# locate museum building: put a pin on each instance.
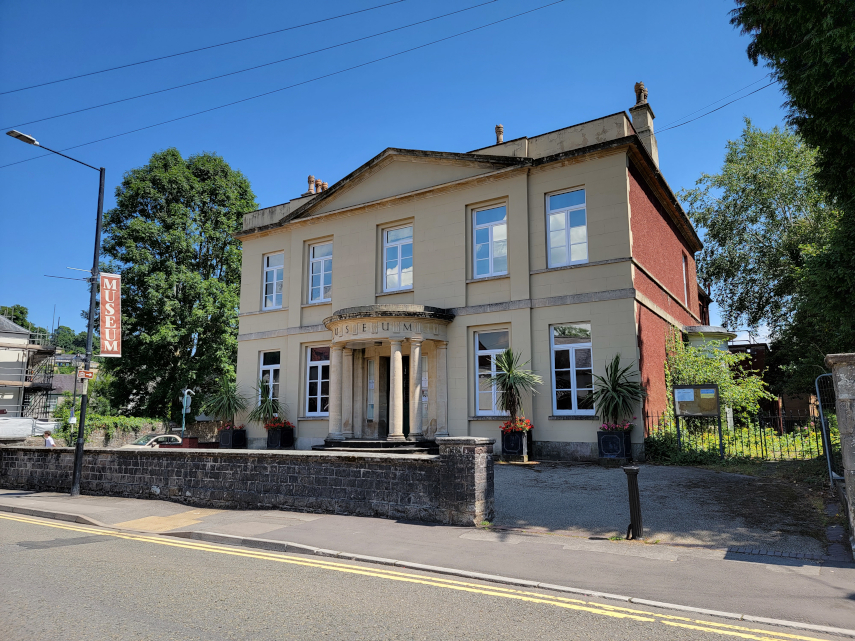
(376, 306)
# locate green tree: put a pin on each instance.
(809, 46)
(170, 238)
(18, 315)
(759, 217)
(63, 337)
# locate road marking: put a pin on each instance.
(166, 523)
(508, 593)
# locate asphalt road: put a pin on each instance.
(63, 581)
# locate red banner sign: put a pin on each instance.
(111, 315)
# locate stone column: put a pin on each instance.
(347, 393)
(416, 390)
(396, 394)
(441, 388)
(335, 394)
(358, 392)
(843, 370)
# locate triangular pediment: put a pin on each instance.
(397, 172)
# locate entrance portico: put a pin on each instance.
(375, 333)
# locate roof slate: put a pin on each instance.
(8, 327)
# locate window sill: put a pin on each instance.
(573, 417)
(489, 418)
(264, 311)
(395, 291)
(318, 304)
(577, 265)
(313, 418)
(483, 278)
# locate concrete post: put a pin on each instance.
(441, 388)
(396, 393)
(843, 370)
(358, 392)
(335, 394)
(416, 390)
(347, 393)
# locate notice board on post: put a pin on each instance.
(696, 400)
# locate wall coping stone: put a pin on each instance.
(839, 359)
(464, 440)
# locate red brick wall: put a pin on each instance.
(652, 333)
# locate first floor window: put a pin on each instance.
(491, 241)
(398, 257)
(568, 228)
(273, 270)
(269, 374)
(572, 369)
(320, 273)
(488, 345)
(318, 381)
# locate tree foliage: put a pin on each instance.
(170, 238)
(761, 216)
(18, 315)
(71, 343)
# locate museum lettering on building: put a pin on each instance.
(376, 306)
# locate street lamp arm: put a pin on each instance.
(64, 156)
(17, 135)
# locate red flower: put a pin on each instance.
(522, 425)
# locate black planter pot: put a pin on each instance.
(280, 438)
(233, 439)
(516, 445)
(614, 445)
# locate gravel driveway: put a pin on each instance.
(679, 505)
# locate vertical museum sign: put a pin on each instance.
(111, 315)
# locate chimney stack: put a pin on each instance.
(311, 185)
(500, 134)
(642, 122)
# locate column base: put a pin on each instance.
(396, 437)
(335, 436)
(416, 437)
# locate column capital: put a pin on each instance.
(337, 348)
(441, 344)
(347, 351)
(397, 342)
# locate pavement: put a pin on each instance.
(552, 528)
(78, 582)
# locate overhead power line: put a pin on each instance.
(184, 53)
(715, 102)
(717, 108)
(239, 71)
(298, 84)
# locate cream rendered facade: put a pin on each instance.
(448, 305)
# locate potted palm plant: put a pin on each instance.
(513, 382)
(223, 404)
(280, 433)
(616, 396)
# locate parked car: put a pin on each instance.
(152, 441)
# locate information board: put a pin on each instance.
(696, 400)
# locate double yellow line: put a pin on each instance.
(448, 584)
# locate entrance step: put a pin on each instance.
(379, 446)
(379, 450)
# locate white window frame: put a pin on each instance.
(262, 368)
(492, 353)
(322, 271)
(567, 240)
(320, 365)
(491, 229)
(280, 281)
(572, 349)
(399, 244)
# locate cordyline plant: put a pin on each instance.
(267, 407)
(225, 401)
(616, 394)
(513, 382)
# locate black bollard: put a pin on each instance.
(635, 529)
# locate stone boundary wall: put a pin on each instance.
(455, 487)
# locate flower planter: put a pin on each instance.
(614, 445)
(233, 439)
(516, 445)
(280, 438)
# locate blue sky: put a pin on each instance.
(565, 64)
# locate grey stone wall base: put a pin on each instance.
(455, 487)
(576, 451)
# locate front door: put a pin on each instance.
(406, 375)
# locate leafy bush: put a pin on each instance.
(109, 425)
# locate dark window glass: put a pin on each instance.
(319, 354)
(325, 388)
(586, 400)
(562, 359)
(563, 380)
(325, 372)
(325, 404)
(583, 358)
(313, 405)
(313, 388)
(584, 378)
(564, 400)
(493, 340)
(270, 358)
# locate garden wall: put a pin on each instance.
(455, 487)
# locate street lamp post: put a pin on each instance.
(84, 397)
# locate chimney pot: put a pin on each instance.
(642, 122)
(325, 185)
(318, 185)
(500, 134)
(311, 184)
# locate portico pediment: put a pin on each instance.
(389, 322)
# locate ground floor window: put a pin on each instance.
(269, 373)
(372, 392)
(318, 381)
(488, 345)
(572, 369)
